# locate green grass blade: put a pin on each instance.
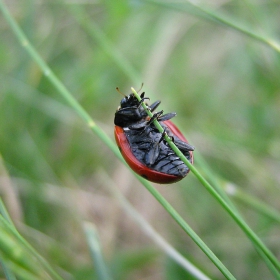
(84, 115)
(228, 189)
(208, 14)
(5, 213)
(109, 48)
(249, 201)
(236, 217)
(96, 252)
(175, 215)
(7, 271)
(17, 256)
(15, 237)
(45, 68)
(94, 31)
(153, 234)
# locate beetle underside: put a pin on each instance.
(149, 148)
(144, 147)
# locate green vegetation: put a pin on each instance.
(217, 66)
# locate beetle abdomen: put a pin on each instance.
(146, 141)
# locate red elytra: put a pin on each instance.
(139, 167)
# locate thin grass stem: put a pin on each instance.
(193, 8)
(252, 202)
(236, 217)
(16, 253)
(102, 271)
(100, 133)
(228, 189)
(92, 29)
(175, 215)
(7, 271)
(154, 235)
(7, 225)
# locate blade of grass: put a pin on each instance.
(236, 217)
(197, 10)
(252, 202)
(208, 173)
(202, 12)
(120, 60)
(152, 233)
(7, 271)
(26, 245)
(227, 190)
(124, 65)
(19, 242)
(93, 30)
(127, 68)
(96, 252)
(175, 215)
(101, 134)
(5, 214)
(17, 255)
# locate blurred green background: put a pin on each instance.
(223, 85)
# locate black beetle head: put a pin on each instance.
(130, 100)
(129, 111)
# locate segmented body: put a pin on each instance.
(143, 146)
(145, 143)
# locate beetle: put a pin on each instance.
(144, 147)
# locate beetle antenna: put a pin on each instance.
(140, 87)
(118, 90)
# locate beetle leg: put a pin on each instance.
(138, 126)
(162, 135)
(155, 116)
(161, 117)
(144, 124)
(141, 101)
(153, 154)
(154, 105)
(166, 117)
(183, 146)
